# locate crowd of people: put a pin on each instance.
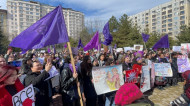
(35, 69)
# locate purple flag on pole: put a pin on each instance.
(145, 37)
(93, 42)
(162, 43)
(48, 30)
(80, 45)
(107, 36)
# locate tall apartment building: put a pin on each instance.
(3, 21)
(22, 14)
(164, 18)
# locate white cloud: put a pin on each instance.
(104, 9)
(3, 4)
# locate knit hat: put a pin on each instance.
(127, 94)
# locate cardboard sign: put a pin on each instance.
(138, 47)
(145, 79)
(107, 79)
(176, 48)
(21, 96)
(131, 76)
(163, 69)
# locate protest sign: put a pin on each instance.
(15, 63)
(52, 72)
(163, 69)
(127, 49)
(185, 48)
(138, 47)
(183, 64)
(131, 76)
(176, 48)
(41, 60)
(21, 96)
(152, 75)
(145, 79)
(107, 79)
(119, 49)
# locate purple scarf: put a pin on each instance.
(71, 67)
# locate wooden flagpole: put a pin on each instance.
(74, 69)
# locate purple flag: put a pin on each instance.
(48, 30)
(80, 45)
(162, 43)
(145, 37)
(93, 42)
(139, 53)
(107, 36)
(65, 46)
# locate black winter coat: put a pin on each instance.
(37, 80)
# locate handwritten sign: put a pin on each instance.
(107, 79)
(183, 64)
(163, 69)
(185, 48)
(21, 96)
(119, 49)
(145, 79)
(176, 48)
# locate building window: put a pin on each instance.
(170, 15)
(163, 30)
(182, 12)
(170, 25)
(169, 20)
(31, 12)
(169, 11)
(182, 17)
(169, 29)
(182, 22)
(37, 14)
(170, 6)
(163, 13)
(182, 8)
(175, 18)
(163, 26)
(21, 8)
(163, 22)
(181, 2)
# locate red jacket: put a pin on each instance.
(137, 67)
(5, 96)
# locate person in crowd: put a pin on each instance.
(89, 90)
(9, 85)
(126, 64)
(26, 63)
(2, 61)
(69, 83)
(101, 61)
(41, 85)
(161, 81)
(174, 67)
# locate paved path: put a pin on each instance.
(164, 97)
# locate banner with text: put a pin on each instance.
(163, 69)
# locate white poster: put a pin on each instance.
(127, 49)
(176, 48)
(119, 49)
(107, 79)
(185, 48)
(163, 69)
(145, 79)
(21, 96)
(138, 47)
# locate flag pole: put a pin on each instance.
(145, 46)
(74, 69)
